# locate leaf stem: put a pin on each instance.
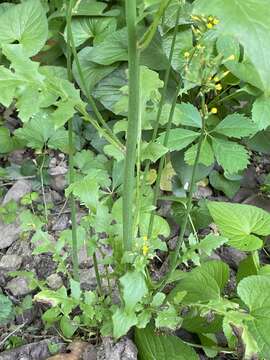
(88, 95)
(133, 124)
(71, 153)
(175, 256)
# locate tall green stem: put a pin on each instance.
(133, 124)
(175, 256)
(71, 153)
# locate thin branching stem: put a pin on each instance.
(71, 154)
(176, 253)
(133, 124)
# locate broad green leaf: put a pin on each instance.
(6, 309)
(85, 28)
(68, 326)
(111, 50)
(249, 266)
(236, 126)
(206, 155)
(122, 322)
(6, 143)
(92, 72)
(107, 91)
(152, 151)
(260, 142)
(168, 318)
(178, 138)
(240, 223)
(231, 156)
(221, 183)
(160, 225)
(183, 43)
(237, 18)
(133, 294)
(26, 24)
(83, 8)
(261, 112)
(155, 346)
(254, 291)
(204, 283)
(8, 84)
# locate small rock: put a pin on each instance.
(17, 157)
(84, 260)
(88, 279)
(59, 182)
(203, 192)
(10, 262)
(54, 281)
(122, 350)
(56, 197)
(231, 256)
(90, 353)
(18, 286)
(9, 233)
(61, 223)
(58, 172)
(17, 191)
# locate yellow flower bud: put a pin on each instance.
(186, 54)
(216, 21)
(214, 110)
(218, 87)
(145, 250)
(145, 238)
(210, 25)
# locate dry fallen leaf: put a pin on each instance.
(76, 351)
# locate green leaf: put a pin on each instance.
(6, 143)
(204, 283)
(160, 225)
(111, 50)
(240, 223)
(68, 326)
(254, 291)
(92, 72)
(154, 346)
(261, 112)
(168, 318)
(236, 126)
(83, 8)
(206, 155)
(86, 190)
(25, 23)
(152, 151)
(122, 322)
(219, 182)
(6, 309)
(189, 115)
(249, 266)
(85, 28)
(133, 294)
(178, 138)
(237, 18)
(75, 289)
(223, 150)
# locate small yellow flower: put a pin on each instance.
(186, 54)
(216, 79)
(216, 21)
(210, 18)
(145, 250)
(145, 238)
(218, 87)
(214, 110)
(210, 25)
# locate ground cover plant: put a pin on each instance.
(134, 179)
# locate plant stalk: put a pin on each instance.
(71, 153)
(175, 256)
(133, 124)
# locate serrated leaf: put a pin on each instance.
(240, 223)
(223, 150)
(178, 139)
(132, 295)
(261, 112)
(86, 190)
(154, 346)
(25, 23)
(168, 318)
(189, 115)
(5, 309)
(206, 155)
(236, 126)
(152, 151)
